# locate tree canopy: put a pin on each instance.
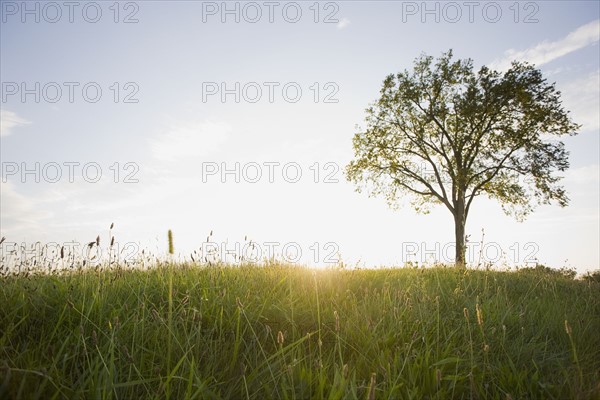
(444, 133)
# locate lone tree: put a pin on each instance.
(445, 133)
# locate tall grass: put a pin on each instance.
(282, 332)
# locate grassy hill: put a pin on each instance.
(184, 332)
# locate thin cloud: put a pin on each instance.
(582, 97)
(344, 22)
(190, 140)
(588, 176)
(546, 51)
(10, 120)
(21, 215)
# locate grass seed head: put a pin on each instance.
(568, 328)
(479, 315)
(372, 386)
(170, 238)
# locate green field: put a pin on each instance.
(282, 332)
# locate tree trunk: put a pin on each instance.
(460, 219)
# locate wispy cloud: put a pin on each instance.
(344, 22)
(10, 120)
(188, 140)
(582, 97)
(21, 214)
(547, 51)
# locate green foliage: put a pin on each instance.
(290, 332)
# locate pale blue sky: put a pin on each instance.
(170, 52)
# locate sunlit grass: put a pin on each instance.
(183, 332)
